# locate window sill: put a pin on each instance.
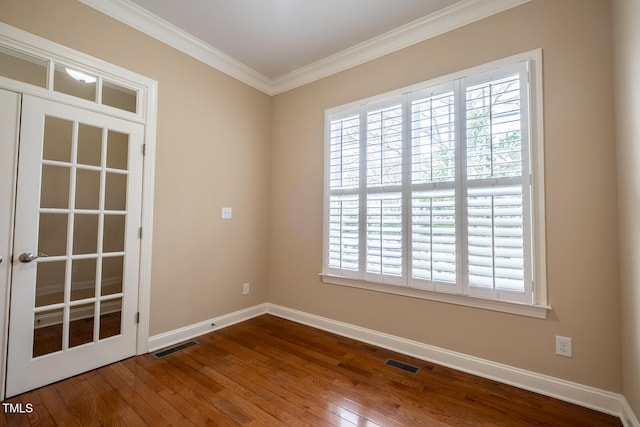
(537, 311)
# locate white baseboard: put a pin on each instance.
(188, 332)
(627, 416)
(589, 397)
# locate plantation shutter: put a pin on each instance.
(433, 176)
(344, 172)
(384, 223)
(431, 189)
(497, 174)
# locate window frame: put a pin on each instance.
(407, 286)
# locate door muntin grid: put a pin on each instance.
(82, 224)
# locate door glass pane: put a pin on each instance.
(74, 82)
(118, 96)
(85, 234)
(81, 324)
(52, 235)
(87, 189)
(58, 134)
(89, 145)
(47, 333)
(83, 279)
(54, 192)
(110, 318)
(25, 68)
(116, 192)
(50, 282)
(117, 150)
(114, 233)
(112, 275)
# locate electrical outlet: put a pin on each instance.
(227, 213)
(563, 346)
(246, 287)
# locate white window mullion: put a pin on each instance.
(362, 198)
(527, 181)
(407, 225)
(462, 244)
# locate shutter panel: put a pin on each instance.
(433, 139)
(433, 174)
(343, 216)
(344, 153)
(384, 146)
(384, 234)
(433, 236)
(496, 238)
(343, 233)
(494, 167)
(384, 241)
(494, 143)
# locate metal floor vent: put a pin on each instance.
(399, 365)
(164, 353)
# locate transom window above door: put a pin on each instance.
(67, 79)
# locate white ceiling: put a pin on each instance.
(276, 45)
(276, 37)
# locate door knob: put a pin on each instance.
(28, 256)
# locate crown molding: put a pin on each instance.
(458, 15)
(144, 21)
(433, 25)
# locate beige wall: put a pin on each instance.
(213, 144)
(581, 214)
(626, 16)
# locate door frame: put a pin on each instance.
(146, 114)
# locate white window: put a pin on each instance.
(437, 188)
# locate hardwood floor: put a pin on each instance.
(271, 372)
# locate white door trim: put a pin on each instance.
(25, 42)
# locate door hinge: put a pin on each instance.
(140, 233)
(144, 149)
(137, 318)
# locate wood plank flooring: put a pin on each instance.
(269, 371)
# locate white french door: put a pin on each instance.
(74, 278)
